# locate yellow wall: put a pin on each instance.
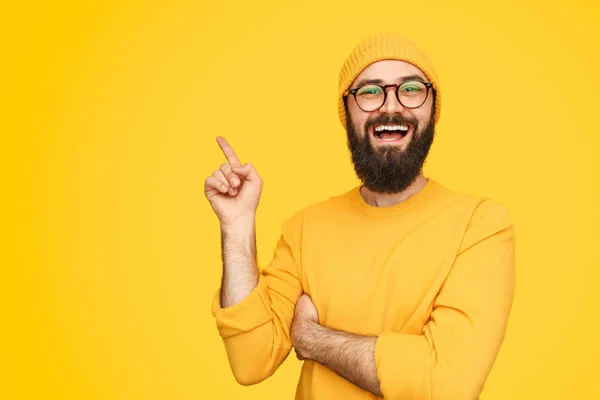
(112, 253)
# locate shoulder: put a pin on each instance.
(482, 210)
(491, 220)
(481, 217)
(492, 214)
(320, 211)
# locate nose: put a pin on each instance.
(391, 104)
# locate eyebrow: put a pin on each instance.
(380, 81)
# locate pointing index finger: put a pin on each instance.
(228, 151)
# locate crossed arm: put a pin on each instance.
(350, 356)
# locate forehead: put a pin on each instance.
(388, 71)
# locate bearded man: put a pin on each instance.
(400, 288)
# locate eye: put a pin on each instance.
(412, 87)
(369, 91)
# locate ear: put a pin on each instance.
(433, 104)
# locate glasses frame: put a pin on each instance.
(396, 87)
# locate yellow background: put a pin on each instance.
(111, 256)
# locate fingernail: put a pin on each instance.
(224, 188)
(235, 181)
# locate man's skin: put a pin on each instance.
(234, 192)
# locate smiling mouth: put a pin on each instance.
(385, 133)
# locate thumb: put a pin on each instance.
(247, 171)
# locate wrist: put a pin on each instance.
(241, 224)
(312, 334)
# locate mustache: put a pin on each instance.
(391, 120)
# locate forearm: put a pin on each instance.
(256, 331)
(240, 272)
(351, 356)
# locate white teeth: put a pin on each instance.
(380, 128)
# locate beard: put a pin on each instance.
(388, 169)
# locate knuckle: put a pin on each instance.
(219, 175)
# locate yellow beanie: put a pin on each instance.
(385, 46)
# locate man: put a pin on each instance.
(400, 287)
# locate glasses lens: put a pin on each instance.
(412, 94)
(370, 97)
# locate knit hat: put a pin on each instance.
(385, 46)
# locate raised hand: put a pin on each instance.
(234, 189)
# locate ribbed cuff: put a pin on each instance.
(250, 313)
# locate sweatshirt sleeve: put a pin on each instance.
(456, 349)
(256, 331)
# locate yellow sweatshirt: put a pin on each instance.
(432, 277)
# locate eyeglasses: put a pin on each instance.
(411, 94)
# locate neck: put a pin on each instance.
(386, 200)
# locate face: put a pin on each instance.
(389, 143)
